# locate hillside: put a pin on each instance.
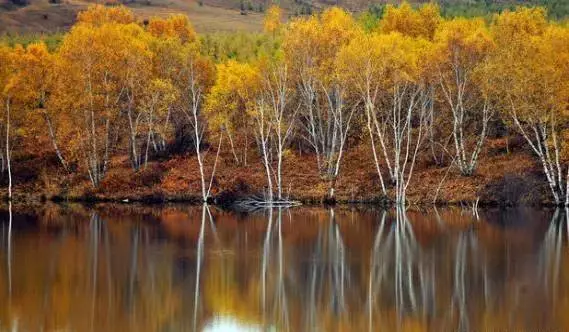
(41, 16)
(45, 16)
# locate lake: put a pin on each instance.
(189, 268)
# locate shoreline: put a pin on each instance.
(221, 201)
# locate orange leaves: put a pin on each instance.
(415, 23)
(381, 61)
(6, 70)
(529, 66)
(34, 74)
(521, 23)
(98, 15)
(272, 21)
(118, 55)
(314, 42)
(176, 26)
(467, 39)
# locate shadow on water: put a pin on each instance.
(180, 268)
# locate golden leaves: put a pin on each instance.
(176, 26)
(233, 94)
(415, 23)
(97, 15)
(529, 66)
(272, 21)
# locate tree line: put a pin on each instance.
(412, 85)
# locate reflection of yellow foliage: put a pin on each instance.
(223, 296)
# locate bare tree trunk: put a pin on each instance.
(8, 159)
(540, 146)
(266, 159)
(230, 137)
(195, 95)
(406, 121)
(373, 148)
(54, 142)
(133, 124)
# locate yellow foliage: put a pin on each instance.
(529, 70)
(32, 78)
(233, 94)
(6, 70)
(272, 21)
(415, 23)
(175, 26)
(462, 47)
(521, 23)
(383, 61)
(311, 44)
(97, 15)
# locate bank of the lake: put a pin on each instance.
(507, 174)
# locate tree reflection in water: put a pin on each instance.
(193, 268)
(398, 273)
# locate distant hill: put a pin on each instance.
(41, 16)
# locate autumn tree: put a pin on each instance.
(311, 46)
(272, 21)
(174, 27)
(387, 71)
(420, 23)
(530, 71)
(7, 69)
(197, 81)
(462, 46)
(261, 93)
(35, 82)
(99, 15)
(230, 97)
(98, 83)
(274, 114)
(156, 102)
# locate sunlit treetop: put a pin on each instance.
(233, 94)
(520, 23)
(98, 15)
(33, 74)
(272, 22)
(312, 43)
(463, 43)
(118, 56)
(408, 21)
(380, 62)
(6, 69)
(175, 26)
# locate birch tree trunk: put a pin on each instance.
(326, 126)
(542, 138)
(8, 158)
(401, 131)
(53, 139)
(195, 95)
(263, 130)
(456, 98)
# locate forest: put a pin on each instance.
(387, 96)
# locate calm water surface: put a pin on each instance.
(179, 268)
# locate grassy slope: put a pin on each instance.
(41, 16)
(215, 15)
